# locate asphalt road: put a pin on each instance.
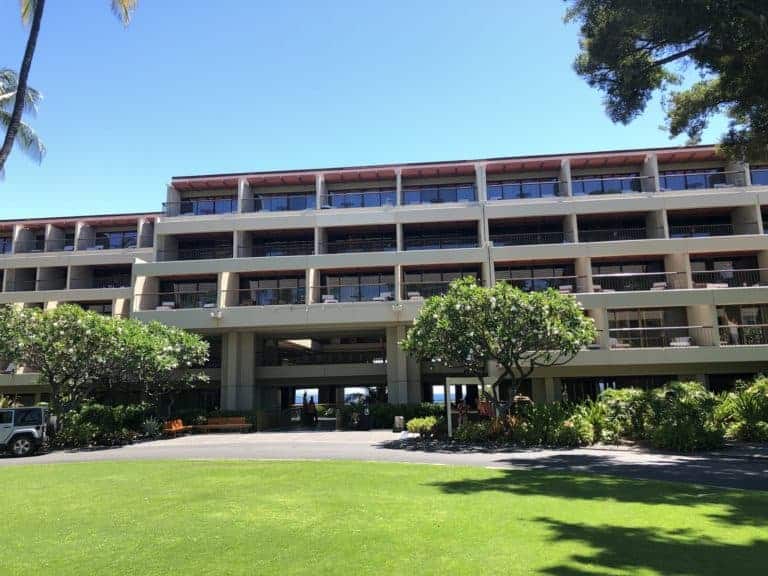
(742, 467)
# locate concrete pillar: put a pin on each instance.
(650, 173)
(565, 188)
(243, 244)
(583, 270)
(321, 191)
(737, 173)
(398, 187)
(399, 237)
(245, 362)
(172, 199)
(762, 263)
(397, 376)
(244, 197)
(678, 268)
(321, 240)
(600, 316)
(229, 284)
(656, 224)
(399, 296)
(145, 233)
(571, 228)
(480, 182)
(705, 316)
(413, 370)
(339, 402)
(746, 219)
(121, 307)
(311, 278)
(552, 389)
(145, 295)
(50, 305)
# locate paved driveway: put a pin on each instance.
(743, 467)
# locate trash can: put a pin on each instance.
(399, 424)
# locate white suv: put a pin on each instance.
(22, 430)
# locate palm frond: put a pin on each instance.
(27, 10)
(27, 139)
(123, 9)
(8, 84)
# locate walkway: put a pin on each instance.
(735, 468)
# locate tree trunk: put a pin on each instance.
(21, 89)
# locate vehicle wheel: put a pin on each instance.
(22, 446)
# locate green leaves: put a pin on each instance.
(471, 325)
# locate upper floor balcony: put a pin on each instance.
(559, 276)
(527, 231)
(598, 185)
(759, 175)
(203, 247)
(699, 179)
(516, 189)
(31, 244)
(100, 277)
(439, 194)
(605, 228)
(419, 284)
(201, 206)
(299, 242)
(743, 325)
(268, 291)
(359, 349)
(440, 236)
(723, 271)
(360, 198)
(6, 245)
(623, 275)
(180, 293)
(655, 328)
(361, 239)
(113, 240)
(367, 286)
(292, 202)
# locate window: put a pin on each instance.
(528, 188)
(759, 175)
(691, 179)
(29, 417)
(606, 184)
(438, 194)
(359, 198)
(6, 417)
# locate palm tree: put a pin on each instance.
(26, 138)
(32, 12)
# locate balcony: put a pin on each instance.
(641, 281)
(743, 334)
(371, 244)
(527, 238)
(196, 253)
(65, 244)
(439, 242)
(108, 241)
(52, 284)
(171, 300)
(563, 284)
(201, 206)
(268, 296)
(308, 357)
(671, 180)
(284, 202)
(6, 246)
(439, 194)
(759, 176)
(660, 337)
(21, 286)
(279, 248)
(519, 189)
(26, 246)
(730, 278)
(601, 185)
(359, 198)
(422, 290)
(335, 293)
(701, 230)
(612, 234)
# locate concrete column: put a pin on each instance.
(656, 224)
(310, 285)
(121, 307)
(321, 190)
(600, 316)
(398, 282)
(565, 188)
(583, 269)
(243, 244)
(145, 293)
(551, 389)
(229, 283)
(681, 264)
(21, 235)
(172, 199)
(399, 238)
(650, 173)
(229, 370)
(398, 187)
(321, 240)
(539, 389)
(246, 363)
(706, 316)
(737, 173)
(571, 228)
(480, 182)
(746, 219)
(487, 273)
(50, 305)
(54, 238)
(397, 376)
(145, 233)
(413, 370)
(762, 263)
(244, 198)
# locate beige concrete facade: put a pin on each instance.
(647, 256)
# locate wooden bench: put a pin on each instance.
(174, 427)
(225, 423)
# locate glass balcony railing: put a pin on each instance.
(115, 281)
(380, 292)
(524, 238)
(30, 245)
(612, 234)
(743, 334)
(111, 241)
(629, 281)
(6, 246)
(192, 299)
(61, 245)
(201, 206)
(287, 248)
(373, 244)
(593, 186)
(439, 194)
(284, 203)
(269, 296)
(700, 230)
(565, 284)
(515, 190)
(198, 253)
(440, 242)
(303, 358)
(359, 198)
(700, 180)
(423, 290)
(730, 278)
(660, 337)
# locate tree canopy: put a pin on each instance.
(76, 351)
(632, 48)
(471, 325)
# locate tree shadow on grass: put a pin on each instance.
(627, 550)
(734, 508)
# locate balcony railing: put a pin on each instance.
(732, 278)
(52, 284)
(700, 230)
(422, 290)
(381, 292)
(671, 181)
(743, 334)
(288, 248)
(67, 245)
(565, 284)
(30, 246)
(200, 207)
(358, 198)
(21, 286)
(115, 241)
(555, 237)
(201, 253)
(191, 299)
(439, 194)
(629, 281)
(609, 185)
(268, 296)
(116, 281)
(6, 246)
(362, 245)
(440, 242)
(523, 189)
(299, 358)
(660, 337)
(612, 234)
(284, 203)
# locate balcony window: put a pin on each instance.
(692, 179)
(203, 206)
(743, 325)
(271, 291)
(612, 230)
(538, 278)
(203, 249)
(759, 175)
(35, 243)
(606, 184)
(187, 294)
(654, 328)
(629, 276)
(726, 272)
(418, 285)
(262, 248)
(284, 202)
(527, 188)
(364, 287)
(700, 226)
(439, 194)
(541, 232)
(374, 240)
(6, 245)
(363, 198)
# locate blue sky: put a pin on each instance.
(192, 88)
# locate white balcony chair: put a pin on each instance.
(329, 299)
(681, 342)
(659, 286)
(414, 296)
(565, 289)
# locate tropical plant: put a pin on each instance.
(424, 427)
(471, 325)
(32, 14)
(27, 139)
(628, 49)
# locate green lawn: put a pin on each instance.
(220, 518)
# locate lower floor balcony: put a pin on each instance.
(743, 334)
(660, 337)
(332, 294)
(183, 300)
(730, 278)
(267, 296)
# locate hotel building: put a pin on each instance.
(308, 279)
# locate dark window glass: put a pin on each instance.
(759, 175)
(31, 417)
(6, 417)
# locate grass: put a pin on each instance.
(286, 518)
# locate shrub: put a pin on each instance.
(152, 428)
(473, 432)
(424, 427)
(626, 411)
(745, 412)
(575, 431)
(99, 425)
